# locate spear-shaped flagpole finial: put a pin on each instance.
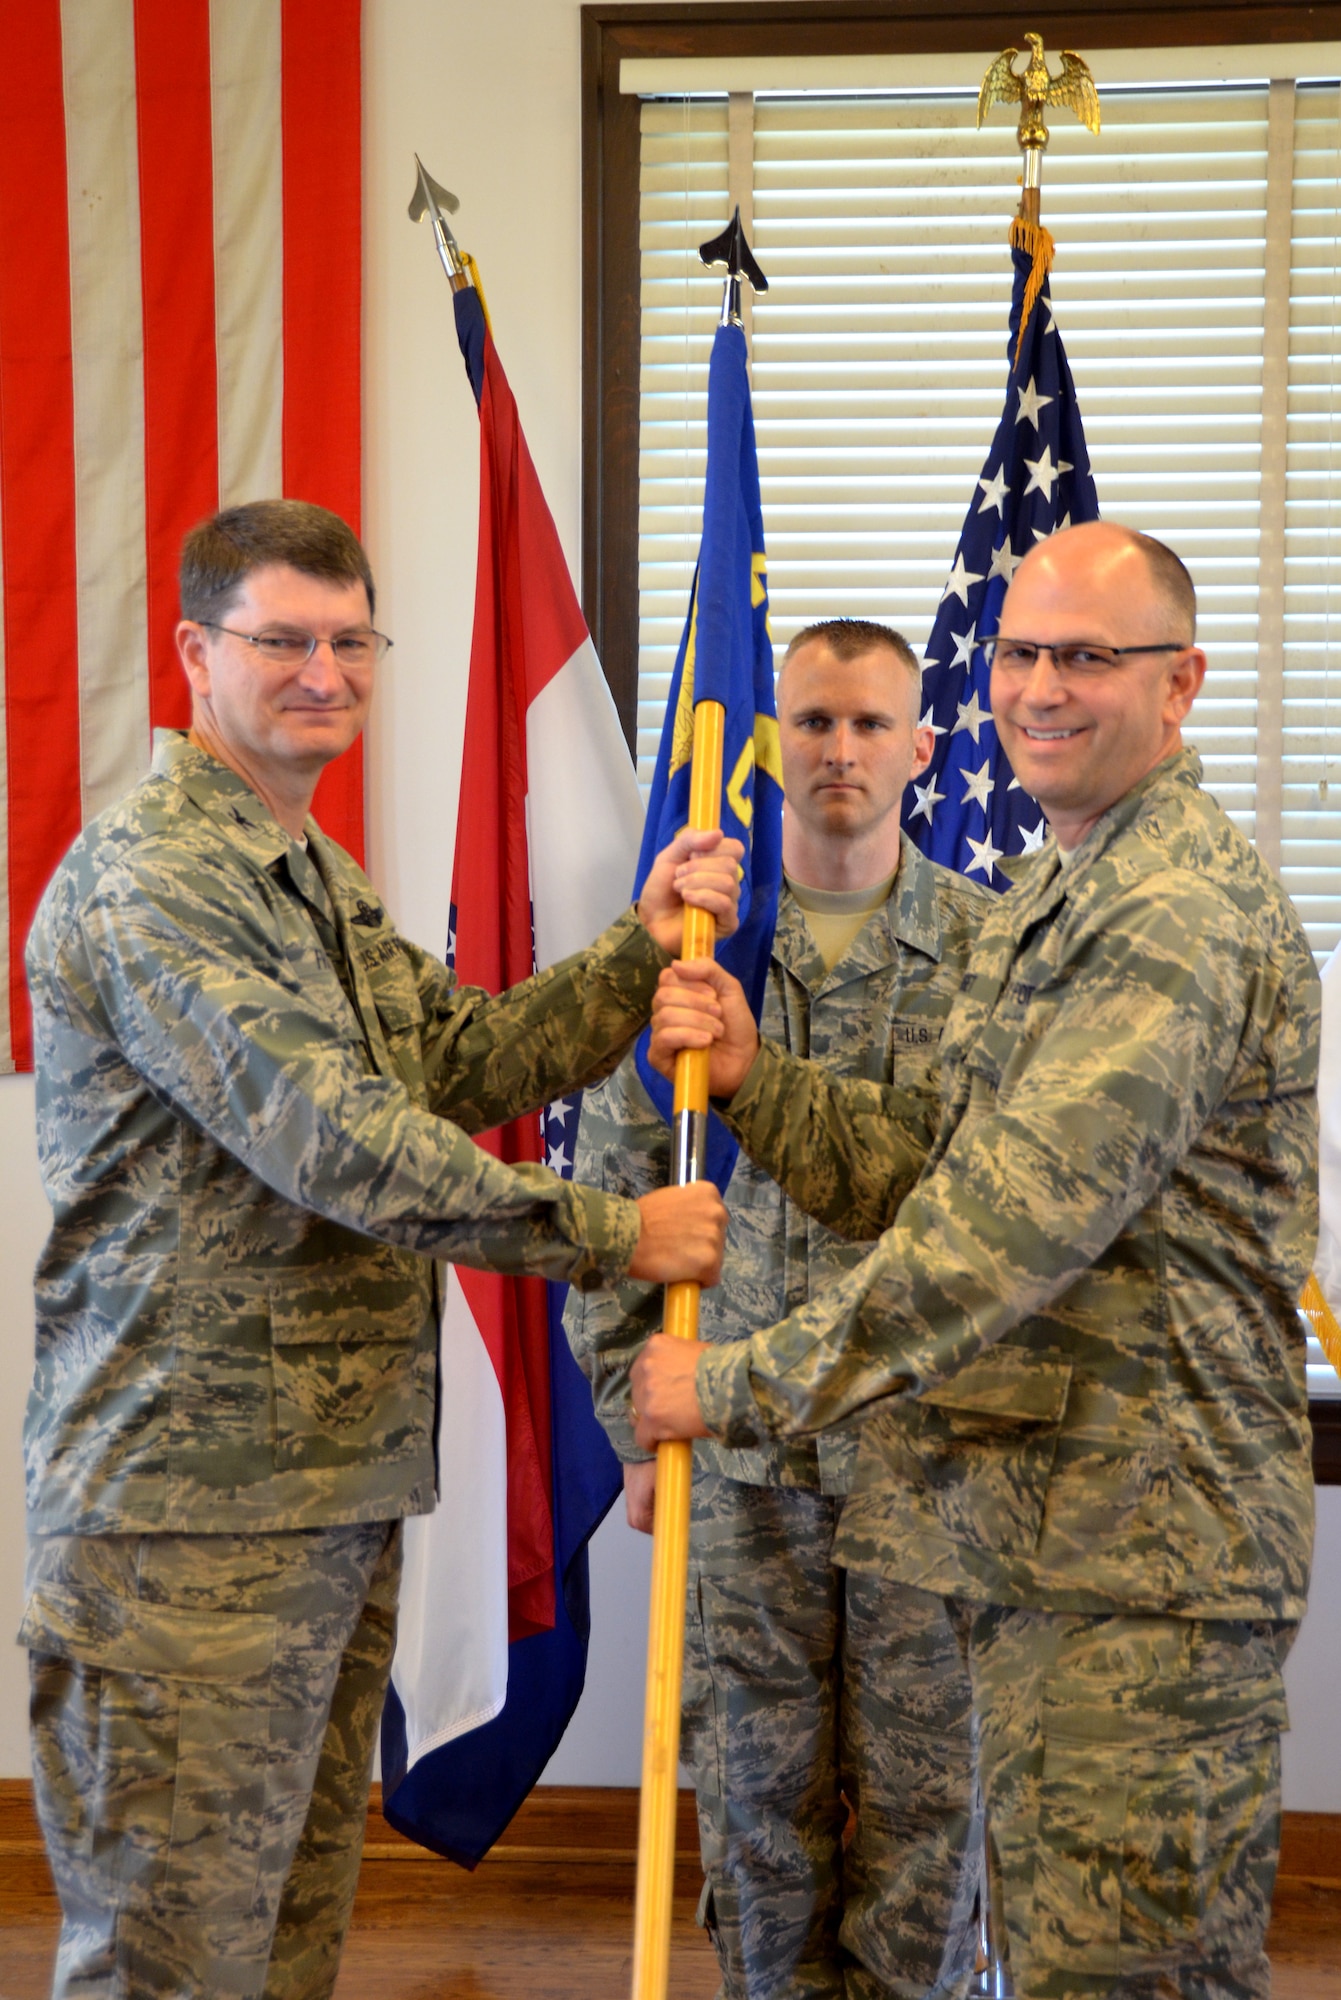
(1032, 88)
(732, 249)
(428, 198)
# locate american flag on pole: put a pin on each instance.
(967, 809)
(492, 1648)
(179, 329)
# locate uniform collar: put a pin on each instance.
(1174, 777)
(240, 814)
(1168, 785)
(910, 917)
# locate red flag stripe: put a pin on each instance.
(322, 302)
(495, 948)
(37, 477)
(545, 619)
(181, 433)
(94, 489)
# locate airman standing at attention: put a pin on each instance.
(807, 1685)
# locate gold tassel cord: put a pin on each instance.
(473, 272)
(1323, 1321)
(1036, 241)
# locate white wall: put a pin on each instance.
(487, 92)
(23, 1222)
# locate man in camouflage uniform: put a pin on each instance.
(806, 1685)
(1079, 1332)
(254, 1101)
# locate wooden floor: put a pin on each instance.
(551, 1917)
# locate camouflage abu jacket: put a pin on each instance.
(1082, 1323)
(244, 1083)
(877, 1014)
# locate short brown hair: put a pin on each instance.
(219, 555)
(849, 638)
(1172, 583)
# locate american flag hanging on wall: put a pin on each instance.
(179, 330)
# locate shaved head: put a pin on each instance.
(1101, 544)
(1081, 732)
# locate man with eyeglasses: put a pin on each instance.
(254, 1103)
(1076, 1349)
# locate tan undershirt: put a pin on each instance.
(835, 916)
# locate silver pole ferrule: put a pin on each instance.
(689, 1138)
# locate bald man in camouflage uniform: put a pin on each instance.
(254, 1103)
(807, 1686)
(1079, 1332)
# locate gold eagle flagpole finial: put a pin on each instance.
(1033, 88)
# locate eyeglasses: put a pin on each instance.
(291, 649)
(1017, 656)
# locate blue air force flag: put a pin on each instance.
(726, 655)
(967, 809)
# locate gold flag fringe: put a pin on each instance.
(1323, 1321)
(1034, 238)
(473, 272)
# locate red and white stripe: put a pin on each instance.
(179, 330)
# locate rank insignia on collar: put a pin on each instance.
(240, 818)
(366, 916)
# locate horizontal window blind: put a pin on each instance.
(1160, 229)
(683, 200)
(879, 368)
(1311, 776)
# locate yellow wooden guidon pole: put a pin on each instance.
(670, 1538)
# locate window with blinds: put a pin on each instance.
(879, 370)
(1196, 288)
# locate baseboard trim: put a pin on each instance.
(593, 1825)
(578, 1824)
(597, 1826)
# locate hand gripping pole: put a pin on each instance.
(670, 1537)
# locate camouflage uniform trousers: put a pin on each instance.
(1131, 1769)
(204, 1712)
(807, 1686)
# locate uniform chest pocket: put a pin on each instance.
(979, 1449)
(394, 993)
(401, 1014)
(1004, 1045)
(915, 1050)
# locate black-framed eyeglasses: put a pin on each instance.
(290, 649)
(1018, 656)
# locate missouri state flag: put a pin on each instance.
(492, 1646)
(726, 655)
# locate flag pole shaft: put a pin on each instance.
(670, 1539)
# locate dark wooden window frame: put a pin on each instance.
(610, 261)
